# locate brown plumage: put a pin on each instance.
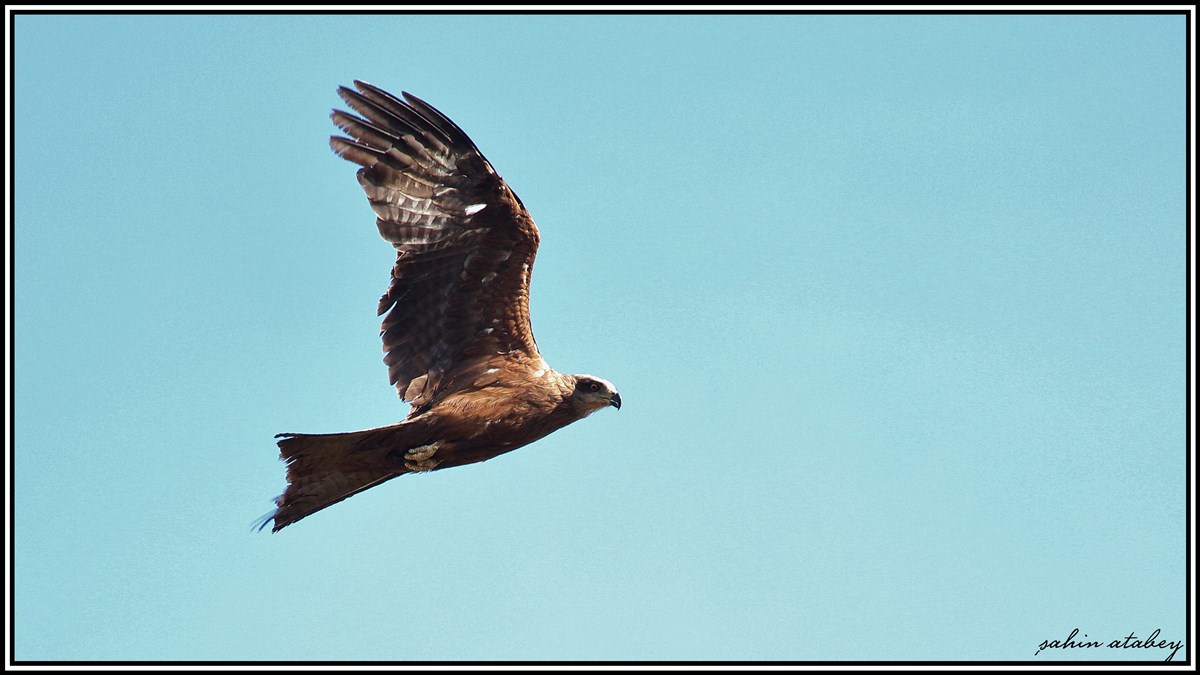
(456, 338)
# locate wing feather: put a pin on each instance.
(465, 244)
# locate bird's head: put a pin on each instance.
(593, 393)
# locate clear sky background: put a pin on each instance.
(896, 306)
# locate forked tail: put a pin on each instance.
(324, 469)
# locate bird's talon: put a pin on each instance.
(421, 452)
(422, 465)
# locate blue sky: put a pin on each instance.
(896, 306)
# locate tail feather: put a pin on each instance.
(324, 469)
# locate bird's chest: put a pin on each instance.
(474, 428)
(502, 416)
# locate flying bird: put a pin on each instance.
(456, 335)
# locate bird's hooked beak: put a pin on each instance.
(615, 401)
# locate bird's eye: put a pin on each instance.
(595, 386)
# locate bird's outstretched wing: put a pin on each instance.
(465, 244)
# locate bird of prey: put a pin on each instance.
(456, 334)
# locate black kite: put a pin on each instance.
(456, 337)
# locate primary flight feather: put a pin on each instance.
(456, 335)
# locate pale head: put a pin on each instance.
(593, 393)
